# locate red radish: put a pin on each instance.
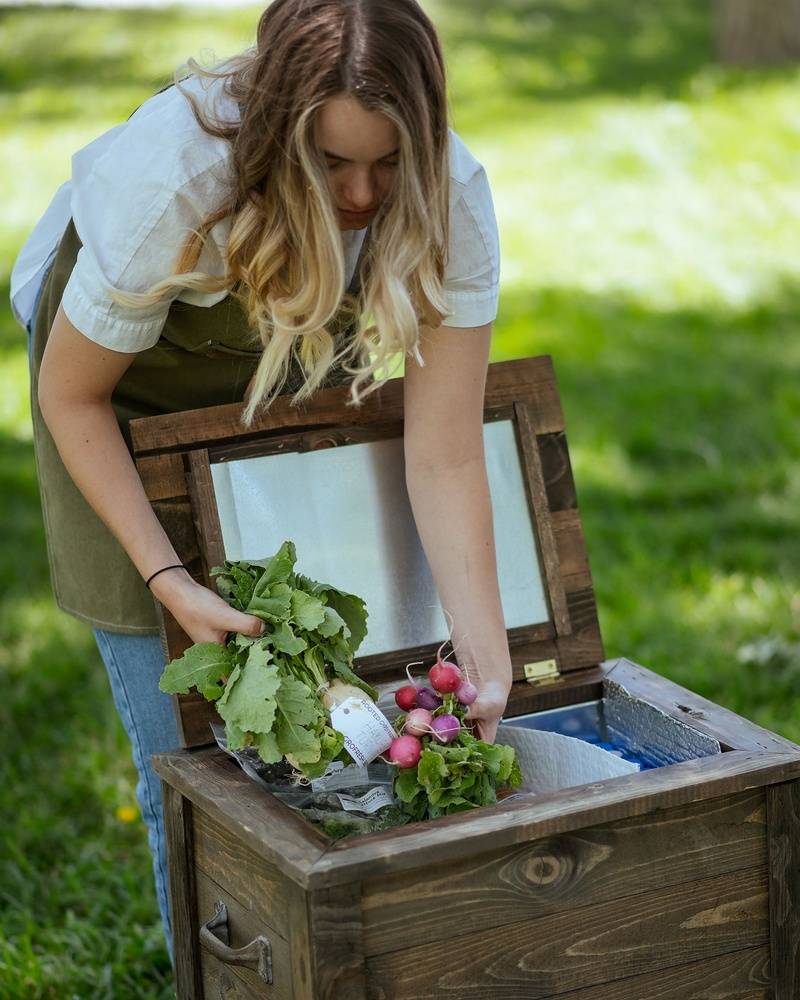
(405, 751)
(466, 692)
(427, 698)
(418, 721)
(445, 677)
(406, 697)
(445, 728)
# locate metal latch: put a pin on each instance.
(541, 672)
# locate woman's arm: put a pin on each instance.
(76, 380)
(449, 493)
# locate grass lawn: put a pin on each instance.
(646, 200)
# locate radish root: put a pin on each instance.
(414, 663)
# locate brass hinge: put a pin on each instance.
(541, 672)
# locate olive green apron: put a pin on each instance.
(205, 356)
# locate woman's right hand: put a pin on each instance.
(202, 614)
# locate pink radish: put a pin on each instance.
(418, 721)
(466, 692)
(445, 728)
(445, 677)
(405, 751)
(406, 697)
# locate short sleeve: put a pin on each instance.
(133, 206)
(472, 277)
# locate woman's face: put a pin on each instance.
(361, 152)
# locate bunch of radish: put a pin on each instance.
(431, 710)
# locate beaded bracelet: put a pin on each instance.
(163, 570)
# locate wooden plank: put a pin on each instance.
(571, 688)
(259, 885)
(741, 975)
(300, 945)
(305, 440)
(526, 379)
(584, 947)
(217, 785)
(571, 548)
(162, 476)
(454, 838)
(337, 943)
(557, 472)
(783, 839)
(204, 510)
(598, 864)
(243, 927)
(704, 715)
(540, 516)
(182, 893)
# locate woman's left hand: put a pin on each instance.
(487, 710)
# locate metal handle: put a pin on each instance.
(214, 937)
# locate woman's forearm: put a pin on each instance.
(452, 510)
(94, 453)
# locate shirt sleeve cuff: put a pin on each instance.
(473, 308)
(123, 335)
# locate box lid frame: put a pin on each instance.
(174, 452)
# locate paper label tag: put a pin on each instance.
(365, 728)
(372, 801)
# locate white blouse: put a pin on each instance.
(138, 188)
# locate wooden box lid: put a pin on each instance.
(325, 475)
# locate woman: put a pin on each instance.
(200, 253)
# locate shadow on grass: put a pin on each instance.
(56, 47)
(561, 51)
(524, 49)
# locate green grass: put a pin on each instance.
(648, 208)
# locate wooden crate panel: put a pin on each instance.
(741, 975)
(253, 881)
(244, 926)
(601, 863)
(583, 947)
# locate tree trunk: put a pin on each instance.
(757, 32)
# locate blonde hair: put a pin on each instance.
(285, 258)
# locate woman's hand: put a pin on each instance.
(202, 614)
(488, 708)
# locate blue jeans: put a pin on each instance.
(134, 664)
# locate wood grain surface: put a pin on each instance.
(597, 864)
(586, 946)
(456, 838)
(783, 839)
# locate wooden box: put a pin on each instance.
(681, 882)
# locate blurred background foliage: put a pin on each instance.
(648, 202)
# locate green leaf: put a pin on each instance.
(235, 583)
(274, 605)
(230, 685)
(267, 746)
(237, 738)
(284, 639)
(278, 569)
(431, 769)
(202, 666)
(332, 623)
(406, 785)
(299, 712)
(251, 703)
(307, 612)
(354, 611)
(258, 654)
(351, 677)
(297, 702)
(299, 745)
